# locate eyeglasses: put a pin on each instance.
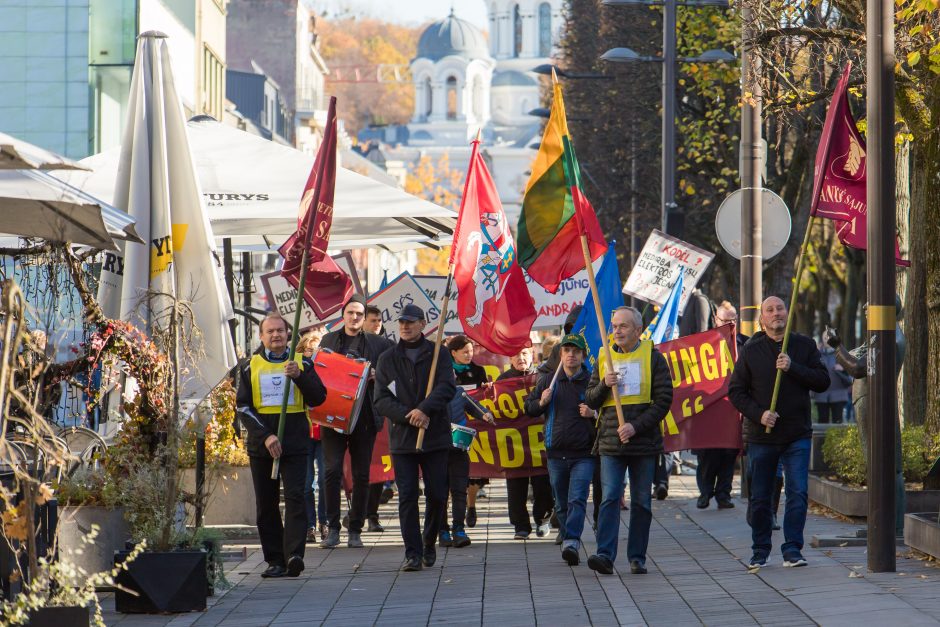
(726, 320)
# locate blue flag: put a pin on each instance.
(611, 297)
(384, 282)
(665, 326)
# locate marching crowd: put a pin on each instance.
(602, 428)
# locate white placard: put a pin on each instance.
(433, 285)
(656, 269)
(283, 296)
(401, 291)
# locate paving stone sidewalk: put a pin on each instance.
(696, 577)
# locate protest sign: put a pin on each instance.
(403, 290)
(282, 296)
(658, 266)
(433, 285)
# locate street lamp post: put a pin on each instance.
(672, 217)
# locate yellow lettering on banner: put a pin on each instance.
(693, 374)
(669, 425)
(386, 462)
(506, 438)
(491, 406)
(480, 449)
(520, 399)
(492, 372)
(727, 362)
(696, 407)
(506, 405)
(709, 365)
(537, 443)
(675, 369)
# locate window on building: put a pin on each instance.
(213, 84)
(428, 98)
(545, 29)
(516, 32)
(451, 98)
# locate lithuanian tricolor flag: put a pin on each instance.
(555, 212)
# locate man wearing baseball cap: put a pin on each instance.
(401, 394)
(569, 438)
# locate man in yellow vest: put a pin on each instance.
(645, 386)
(260, 394)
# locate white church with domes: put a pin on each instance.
(465, 82)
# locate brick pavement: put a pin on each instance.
(695, 577)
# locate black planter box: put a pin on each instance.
(850, 501)
(71, 616)
(922, 532)
(172, 581)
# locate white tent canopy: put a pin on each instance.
(252, 188)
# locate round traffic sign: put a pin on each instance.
(775, 223)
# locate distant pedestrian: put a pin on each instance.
(830, 405)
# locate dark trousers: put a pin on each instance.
(280, 540)
(359, 443)
(597, 492)
(715, 472)
(433, 466)
(664, 466)
(372, 503)
(458, 478)
(517, 493)
(830, 412)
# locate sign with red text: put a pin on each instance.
(658, 267)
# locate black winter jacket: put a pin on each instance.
(645, 418)
(568, 434)
(410, 384)
(752, 385)
(259, 426)
(363, 346)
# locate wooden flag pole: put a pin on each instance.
(438, 340)
(295, 331)
(600, 323)
(786, 333)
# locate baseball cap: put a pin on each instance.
(574, 339)
(411, 313)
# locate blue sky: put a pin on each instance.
(410, 12)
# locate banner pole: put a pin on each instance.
(786, 333)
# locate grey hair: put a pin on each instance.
(637, 316)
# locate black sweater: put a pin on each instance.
(752, 385)
(568, 434)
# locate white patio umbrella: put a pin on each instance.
(36, 204)
(252, 188)
(16, 154)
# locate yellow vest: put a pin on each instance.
(636, 374)
(267, 386)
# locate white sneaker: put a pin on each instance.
(543, 530)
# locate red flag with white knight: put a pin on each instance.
(327, 286)
(494, 305)
(839, 186)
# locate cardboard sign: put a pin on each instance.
(401, 291)
(283, 296)
(658, 267)
(433, 285)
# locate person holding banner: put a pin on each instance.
(517, 488)
(782, 435)
(402, 396)
(352, 341)
(258, 401)
(645, 390)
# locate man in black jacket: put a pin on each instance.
(352, 341)
(790, 426)
(645, 387)
(569, 438)
(401, 386)
(259, 398)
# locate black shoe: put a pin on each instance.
(601, 564)
(273, 571)
(636, 568)
(570, 555)
(703, 501)
(460, 539)
(430, 555)
(728, 504)
(387, 494)
(758, 561)
(471, 517)
(346, 521)
(411, 565)
(559, 537)
(295, 566)
(661, 492)
(375, 526)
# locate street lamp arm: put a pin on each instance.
(768, 35)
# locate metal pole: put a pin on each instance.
(751, 161)
(672, 218)
(880, 175)
(633, 194)
(246, 297)
(228, 264)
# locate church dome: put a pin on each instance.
(513, 78)
(452, 36)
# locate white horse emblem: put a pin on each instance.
(495, 255)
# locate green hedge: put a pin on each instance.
(843, 452)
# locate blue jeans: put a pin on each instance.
(613, 468)
(316, 507)
(764, 459)
(571, 480)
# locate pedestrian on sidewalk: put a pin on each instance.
(258, 402)
(401, 395)
(791, 428)
(373, 324)
(645, 387)
(569, 438)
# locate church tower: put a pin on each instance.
(524, 29)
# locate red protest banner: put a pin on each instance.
(701, 415)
